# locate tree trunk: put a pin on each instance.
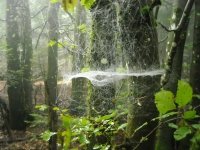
(79, 85)
(195, 71)
(103, 47)
(140, 44)
(16, 104)
(26, 42)
(51, 82)
(176, 45)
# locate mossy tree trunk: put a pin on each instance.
(16, 104)
(26, 43)
(195, 71)
(79, 85)
(51, 81)
(140, 45)
(103, 47)
(165, 140)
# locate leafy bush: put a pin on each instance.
(81, 132)
(178, 107)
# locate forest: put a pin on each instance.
(100, 75)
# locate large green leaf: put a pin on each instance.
(164, 101)
(181, 133)
(184, 93)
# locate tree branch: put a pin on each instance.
(45, 7)
(184, 17)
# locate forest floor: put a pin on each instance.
(29, 139)
(23, 140)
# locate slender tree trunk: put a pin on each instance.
(16, 105)
(140, 44)
(176, 45)
(26, 42)
(51, 82)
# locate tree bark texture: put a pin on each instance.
(103, 47)
(16, 104)
(140, 47)
(79, 85)
(195, 71)
(138, 35)
(27, 52)
(103, 42)
(51, 83)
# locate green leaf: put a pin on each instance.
(182, 132)
(87, 3)
(124, 125)
(195, 141)
(82, 28)
(164, 101)
(56, 108)
(189, 114)
(52, 43)
(67, 134)
(53, 1)
(196, 126)
(184, 93)
(41, 107)
(97, 146)
(106, 117)
(69, 5)
(83, 139)
(47, 135)
(66, 121)
(172, 125)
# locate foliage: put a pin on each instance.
(164, 101)
(184, 113)
(69, 5)
(84, 129)
(184, 94)
(47, 135)
(87, 3)
(39, 119)
(78, 132)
